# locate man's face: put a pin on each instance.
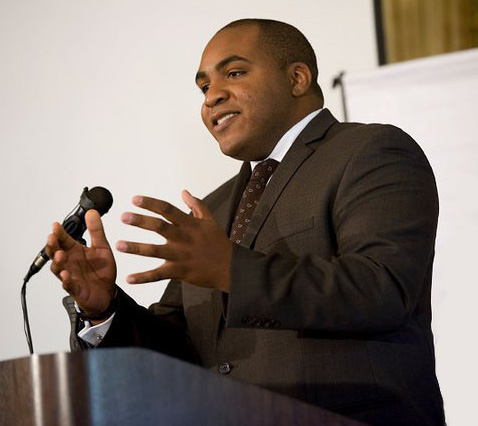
(248, 102)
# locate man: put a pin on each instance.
(326, 295)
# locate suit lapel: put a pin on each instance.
(297, 154)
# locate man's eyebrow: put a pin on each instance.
(221, 64)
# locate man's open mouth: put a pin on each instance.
(224, 118)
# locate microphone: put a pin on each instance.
(97, 198)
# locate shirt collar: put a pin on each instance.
(286, 141)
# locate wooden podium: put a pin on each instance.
(139, 387)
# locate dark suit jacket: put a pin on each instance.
(330, 288)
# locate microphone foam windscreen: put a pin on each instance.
(101, 198)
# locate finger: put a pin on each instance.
(166, 271)
(67, 282)
(51, 245)
(63, 275)
(166, 229)
(58, 262)
(96, 230)
(163, 208)
(64, 240)
(199, 209)
(148, 250)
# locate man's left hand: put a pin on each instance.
(197, 250)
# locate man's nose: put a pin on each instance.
(215, 95)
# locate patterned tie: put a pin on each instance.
(250, 198)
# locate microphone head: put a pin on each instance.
(98, 198)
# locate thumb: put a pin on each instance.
(96, 230)
(199, 209)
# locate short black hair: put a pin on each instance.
(285, 43)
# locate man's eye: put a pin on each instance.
(204, 88)
(235, 73)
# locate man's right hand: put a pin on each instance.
(87, 273)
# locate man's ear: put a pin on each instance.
(300, 78)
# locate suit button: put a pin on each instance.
(224, 368)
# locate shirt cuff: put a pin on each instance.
(94, 334)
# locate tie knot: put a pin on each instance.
(263, 171)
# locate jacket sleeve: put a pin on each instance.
(161, 327)
(382, 219)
